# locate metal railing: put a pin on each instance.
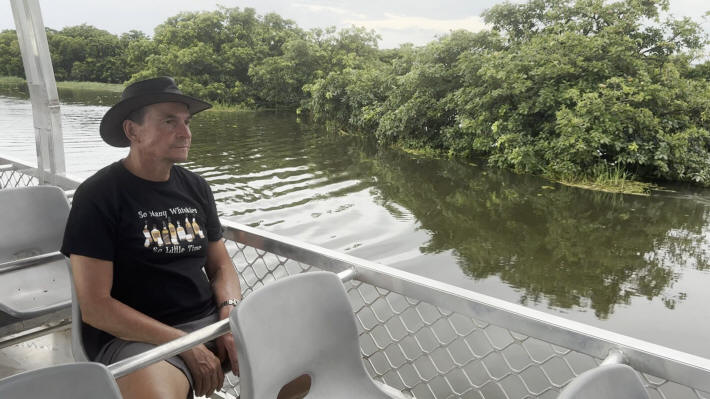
(11, 176)
(15, 173)
(435, 340)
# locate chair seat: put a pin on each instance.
(35, 290)
(65, 381)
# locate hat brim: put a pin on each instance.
(111, 127)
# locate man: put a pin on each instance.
(138, 236)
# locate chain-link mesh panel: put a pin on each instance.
(12, 178)
(431, 352)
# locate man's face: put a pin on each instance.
(165, 133)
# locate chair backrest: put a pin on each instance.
(612, 381)
(34, 219)
(298, 325)
(77, 330)
(66, 381)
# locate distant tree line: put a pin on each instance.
(80, 53)
(555, 87)
(230, 56)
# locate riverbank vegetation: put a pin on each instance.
(96, 86)
(581, 90)
(13, 81)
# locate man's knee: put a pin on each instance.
(160, 380)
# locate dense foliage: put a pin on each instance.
(79, 53)
(558, 87)
(229, 56)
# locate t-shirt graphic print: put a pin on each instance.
(171, 238)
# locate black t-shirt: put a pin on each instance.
(156, 235)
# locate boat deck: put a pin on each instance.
(47, 350)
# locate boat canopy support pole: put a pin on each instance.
(39, 74)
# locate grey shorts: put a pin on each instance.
(118, 349)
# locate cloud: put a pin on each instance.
(401, 23)
(330, 9)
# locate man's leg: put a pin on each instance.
(159, 380)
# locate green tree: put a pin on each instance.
(10, 58)
(700, 71)
(350, 98)
(136, 48)
(210, 52)
(86, 53)
(418, 109)
(587, 84)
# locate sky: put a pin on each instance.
(397, 21)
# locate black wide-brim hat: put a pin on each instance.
(138, 95)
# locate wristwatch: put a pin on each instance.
(231, 301)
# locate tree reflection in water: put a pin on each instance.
(567, 246)
(570, 246)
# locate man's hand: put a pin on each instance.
(206, 370)
(227, 351)
(225, 285)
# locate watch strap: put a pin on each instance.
(231, 301)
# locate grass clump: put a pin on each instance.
(609, 178)
(426, 152)
(223, 107)
(14, 81)
(96, 86)
(11, 81)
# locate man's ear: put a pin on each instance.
(130, 130)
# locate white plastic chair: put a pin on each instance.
(299, 325)
(33, 279)
(612, 381)
(65, 381)
(77, 325)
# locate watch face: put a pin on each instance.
(233, 302)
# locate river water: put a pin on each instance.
(635, 265)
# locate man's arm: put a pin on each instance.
(93, 279)
(225, 285)
(222, 275)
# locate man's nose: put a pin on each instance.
(184, 130)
